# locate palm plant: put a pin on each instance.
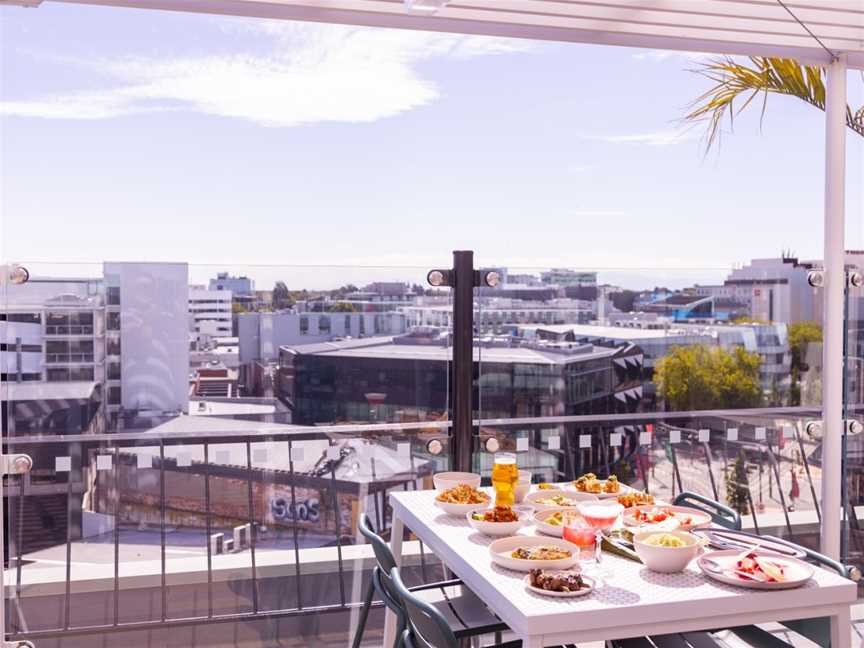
(739, 81)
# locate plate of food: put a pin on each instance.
(602, 488)
(461, 499)
(524, 553)
(557, 583)
(669, 517)
(557, 499)
(552, 521)
(755, 569)
(635, 498)
(497, 521)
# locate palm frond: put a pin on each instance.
(734, 81)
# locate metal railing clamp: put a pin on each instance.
(15, 464)
(813, 428)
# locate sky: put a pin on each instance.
(330, 154)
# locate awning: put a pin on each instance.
(751, 27)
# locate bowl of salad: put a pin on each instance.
(666, 551)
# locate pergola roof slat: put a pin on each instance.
(751, 27)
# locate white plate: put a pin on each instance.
(496, 528)
(699, 518)
(797, 571)
(551, 529)
(622, 488)
(571, 495)
(459, 510)
(500, 551)
(582, 592)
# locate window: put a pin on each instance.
(113, 322)
(113, 371)
(24, 348)
(113, 295)
(304, 325)
(113, 346)
(324, 324)
(347, 325)
(25, 377)
(23, 318)
(114, 396)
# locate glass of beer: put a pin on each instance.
(505, 476)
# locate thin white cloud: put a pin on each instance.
(664, 137)
(311, 73)
(659, 56)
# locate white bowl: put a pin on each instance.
(500, 551)
(459, 510)
(570, 495)
(523, 486)
(666, 559)
(445, 480)
(496, 528)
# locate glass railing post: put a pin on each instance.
(463, 358)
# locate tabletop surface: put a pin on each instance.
(632, 594)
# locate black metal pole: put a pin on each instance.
(463, 357)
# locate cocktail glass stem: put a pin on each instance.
(598, 550)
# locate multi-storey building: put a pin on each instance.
(261, 334)
(568, 277)
(406, 378)
(210, 312)
(500, 314)
(122, 339)
(658, 337)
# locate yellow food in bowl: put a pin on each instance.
(664, 540)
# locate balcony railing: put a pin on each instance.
(172, 529)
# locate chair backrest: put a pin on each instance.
(383, 555)
(386, 562)
(720, 514)
(427, 628)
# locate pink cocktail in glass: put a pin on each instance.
(577, 531)
(601, 516)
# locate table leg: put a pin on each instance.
(841, 628)
(396, 548)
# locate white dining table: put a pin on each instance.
(634, 601)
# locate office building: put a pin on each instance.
(405, 378)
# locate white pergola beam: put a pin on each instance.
(744, 27)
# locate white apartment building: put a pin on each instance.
(261, 334)
(568, 277)
(494, 314)
(120, 339)
(210, 312)
(775, 290)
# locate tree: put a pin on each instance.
(801, 336)
(237, 308)
(282, 296)
(738, 81)
(701, 377)
(342, 307)
(623, 300)
(736, 486)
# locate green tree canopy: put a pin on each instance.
(703, 377)
(342, 307)
(802, 334)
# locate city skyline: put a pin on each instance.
(245, 141)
